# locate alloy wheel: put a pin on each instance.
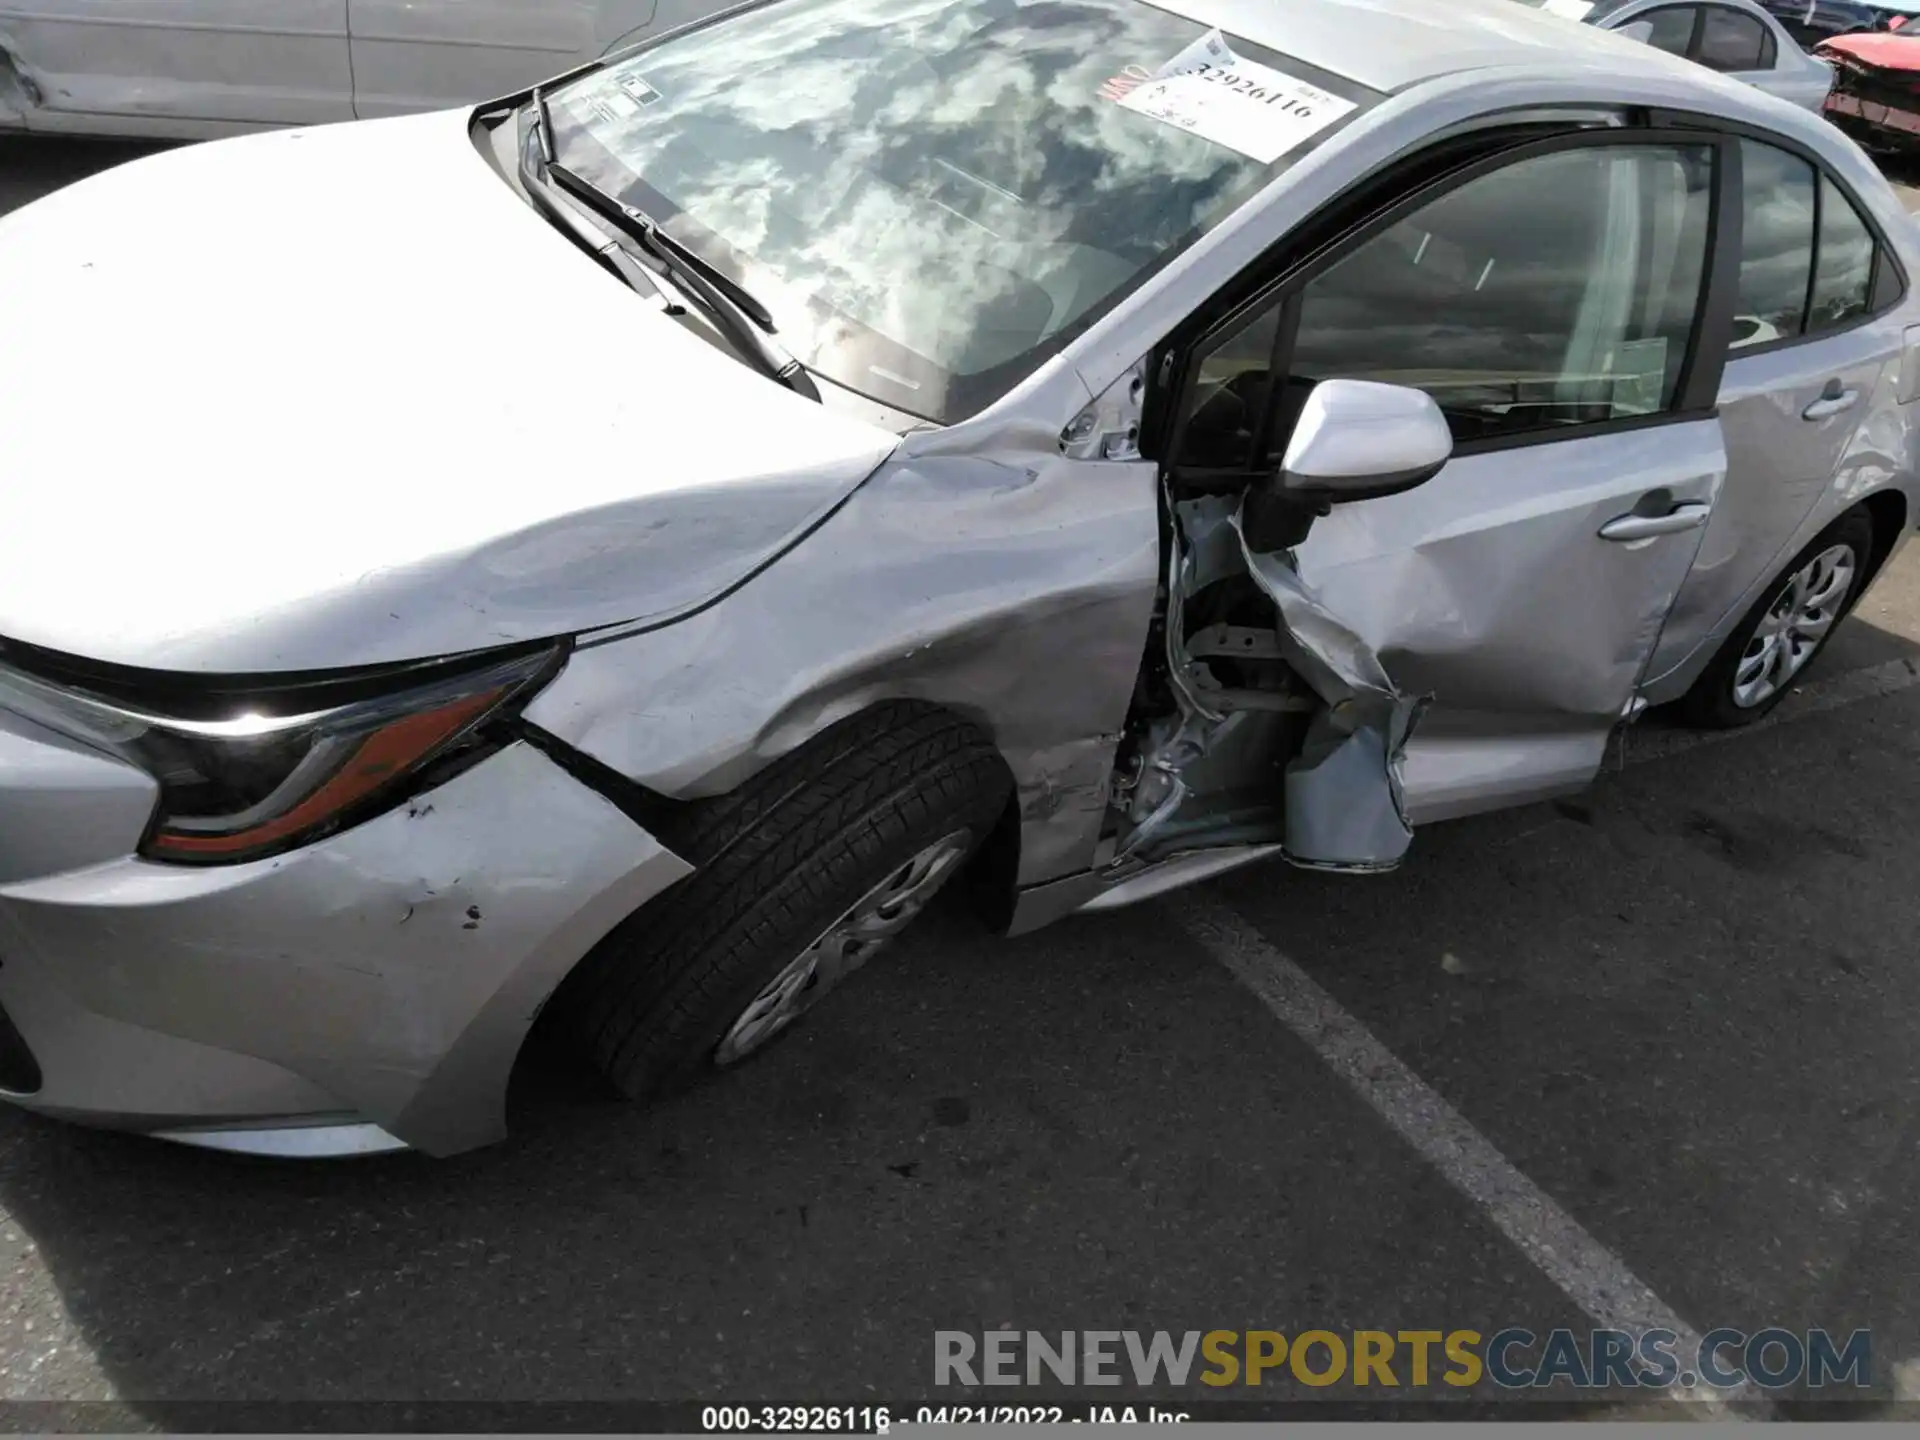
(1808, 606)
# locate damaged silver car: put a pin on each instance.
(613, 555)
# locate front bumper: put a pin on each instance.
(369, 990)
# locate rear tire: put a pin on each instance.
(1774, 642)
(803, 872)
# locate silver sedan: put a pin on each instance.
(195, 69)
(1733, 37)
(606, 559)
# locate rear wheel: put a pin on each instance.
(1790, 624)
(803, 875)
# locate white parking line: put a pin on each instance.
(1592, 1276)
(1587, 1272)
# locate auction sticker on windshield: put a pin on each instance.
(1211, 92)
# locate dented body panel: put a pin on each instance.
(979, 568)
(1495, 594)
(384, 976)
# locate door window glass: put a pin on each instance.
(1784, 263)
(1776, 255)
(1230, 394)
(1731, 42)
(1561, 290)
(1842, 290)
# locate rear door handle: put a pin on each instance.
(1690, 516)
(1831, 402)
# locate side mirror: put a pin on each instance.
(1358, 440)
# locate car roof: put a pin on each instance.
(1391, 44)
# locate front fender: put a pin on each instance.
(1016, 591)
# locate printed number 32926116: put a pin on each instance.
(1252, 89)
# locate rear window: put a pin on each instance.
(1731, 42)
(1809, 263)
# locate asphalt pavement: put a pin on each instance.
(1644, 1053)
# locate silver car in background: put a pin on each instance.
(1733, 37)
(196, 69)
(611, 556)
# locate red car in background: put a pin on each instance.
(1876, 86)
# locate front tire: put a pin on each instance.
(803, 874)
(1789, 625)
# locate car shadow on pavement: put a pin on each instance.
(1862, 644)
(1878, 639)
(32, 166)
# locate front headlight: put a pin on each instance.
(260, 782)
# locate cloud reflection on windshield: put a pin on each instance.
(925, 193)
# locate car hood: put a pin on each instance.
(336, 397)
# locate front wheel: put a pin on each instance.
(804, 874)
(1790, 624)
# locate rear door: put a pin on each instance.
(1814, 342)
(217, 62)
(1551, 301)
(411, 55)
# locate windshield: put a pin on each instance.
(933, 197)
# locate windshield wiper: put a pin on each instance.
(745, 320)
(543, 124)
(658, 243)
